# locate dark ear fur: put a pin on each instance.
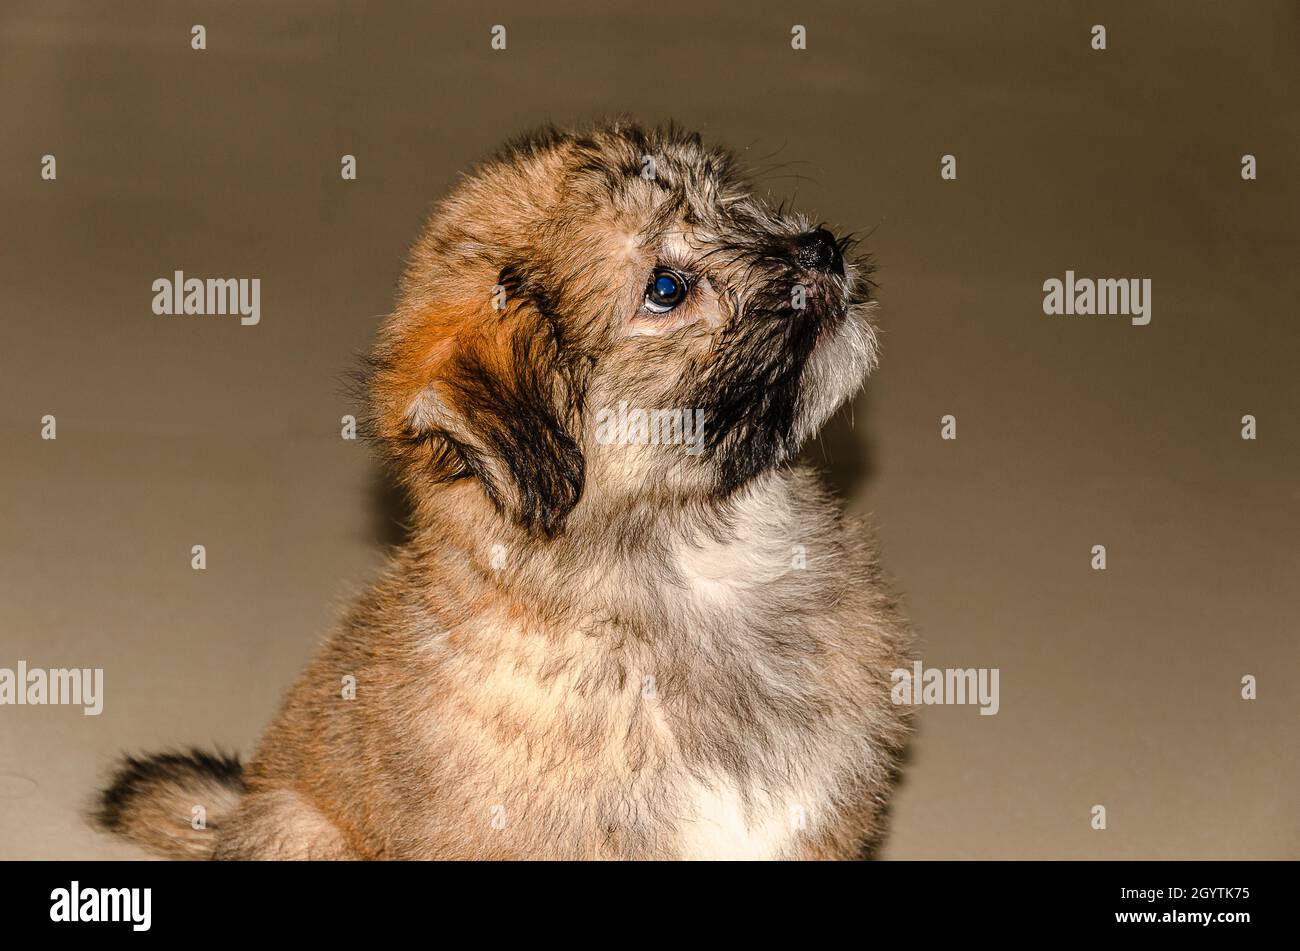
(491, 398)
(515, 403)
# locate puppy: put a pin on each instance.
(627, 623)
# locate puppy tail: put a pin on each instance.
(172, 803)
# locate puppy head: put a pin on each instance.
(612, 313)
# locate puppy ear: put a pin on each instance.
(487, 395)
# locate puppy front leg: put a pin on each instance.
(855, 833)
(281, 825)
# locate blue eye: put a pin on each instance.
(666, 290)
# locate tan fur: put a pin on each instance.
(589, 650)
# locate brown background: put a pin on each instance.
(1118, 687)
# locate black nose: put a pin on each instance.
(817, 250)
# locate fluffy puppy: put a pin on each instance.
(627, 623)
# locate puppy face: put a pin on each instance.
(611, 316)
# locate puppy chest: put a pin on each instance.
(719, 823)
(568, 735)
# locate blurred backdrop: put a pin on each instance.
(1119, 687)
